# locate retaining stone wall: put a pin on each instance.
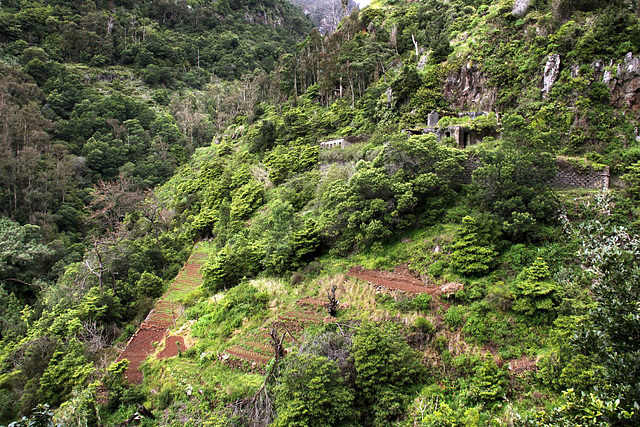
(568, 176)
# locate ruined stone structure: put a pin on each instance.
(463, 136)
(342, 142)
(334, 143)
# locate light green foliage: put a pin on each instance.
(422, 302)
(245, 200)
(311, 392)
(386, 370)
(116, 383)
(236, 260)
(488, 383)
(536, 292)
(286, 161)
(67, 370)
(454, 317)
(424, 325)
(239, 303)
(80, 410)
(632, 180)
(469, 256)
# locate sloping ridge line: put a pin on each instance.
(163, 315)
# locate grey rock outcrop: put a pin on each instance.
(551, 72)
(468, 89)
(520, 7)
(625, 85)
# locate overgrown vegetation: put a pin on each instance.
(130, 131)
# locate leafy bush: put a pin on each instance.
(535, 291)
(515, 186)
(454, 317)
(150, 285)
(239, 303)
(424, 325)
(422, 302)
(632, 180)
(386, 370)
(312, 392)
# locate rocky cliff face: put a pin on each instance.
(469, 89)
(325, 14)
(623, 81)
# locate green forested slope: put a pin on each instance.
(530, 312)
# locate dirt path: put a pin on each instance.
(163, 315)
(402, 279)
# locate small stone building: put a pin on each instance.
(334, 143)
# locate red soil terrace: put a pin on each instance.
(163, 315)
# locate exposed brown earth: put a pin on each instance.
(173, 346)
(163, 315)
(402, 279)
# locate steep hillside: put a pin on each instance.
(428, 217)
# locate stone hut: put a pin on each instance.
(334, 143)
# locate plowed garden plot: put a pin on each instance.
(313, 302)
(163, 315)
(257, 350)
(173, 344)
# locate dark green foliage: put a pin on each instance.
(409, 177)
(611, 332)
(424, 325)
(150, 285)
(312, 392)
(515, 186)
(386, 370)
(469, 256)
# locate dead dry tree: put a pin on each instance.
(332, 305)
(259, 409)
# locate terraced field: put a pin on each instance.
(257, 350)
(164, 315)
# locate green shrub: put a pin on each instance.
(632, 180)
(535, 291)
(469, 256)
(488, 383)
(378, 351)
(436, 269)
(454, 317)
(422, 302)
(165, 397)
(239, 303)
(150, 285)
(311, 392)
(424, 325)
